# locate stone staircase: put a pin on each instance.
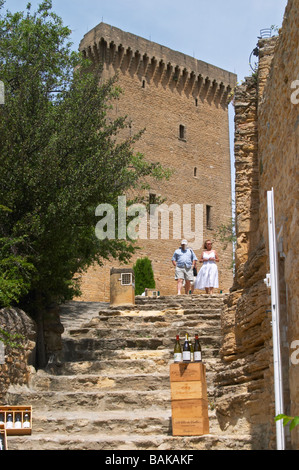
(111, 390)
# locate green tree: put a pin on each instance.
(144, 275)
(15, 270)
(60, 157)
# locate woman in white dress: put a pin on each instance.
(207, 278)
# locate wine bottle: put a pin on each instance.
(18, 423)
(191, 349)
(9, 421)
(186, 350)
(197, 350)
(177, 350)
(26, 423)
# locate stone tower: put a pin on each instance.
(182, 103)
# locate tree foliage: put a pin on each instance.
(293, 421)
(144, 275)
(60, 157)
(13, 340)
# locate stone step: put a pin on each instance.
(43, 381)
(170, 308)
(166, 307)
(111, 390)
(162, 326)
(130, 441)
(124, 362)
(92, 348)
(153, 316)
(105, 400)
(148, 331)
(178, 326)
(116, 366)
(180, 299)
(203, 313)
(108, 422)
(74, 352)
(145, 319)
(137, 382)
(142, 422)
(75, 313)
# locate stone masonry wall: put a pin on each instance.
(278, 127)
(266, 154)
(163, 90)
(16, 367)
(244, 398)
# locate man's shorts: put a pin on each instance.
(184, 273)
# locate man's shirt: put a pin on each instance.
(184, 258)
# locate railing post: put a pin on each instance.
(274, 284)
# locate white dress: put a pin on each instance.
(208, 274)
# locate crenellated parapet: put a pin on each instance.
(153, 63)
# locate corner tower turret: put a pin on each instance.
(150, 61)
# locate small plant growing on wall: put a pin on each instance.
(10, 339)
(226, 234)
(293, 421)
(144, 275)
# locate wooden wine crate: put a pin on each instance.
(189, 408)
(190, 427)
(189, 399)
(188, 390)
(17, 411)
(3, 436)
(187, 372)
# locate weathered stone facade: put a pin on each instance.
(183, 105)
(16, 367)
(266, 157)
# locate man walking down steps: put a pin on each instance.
(184, 260)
